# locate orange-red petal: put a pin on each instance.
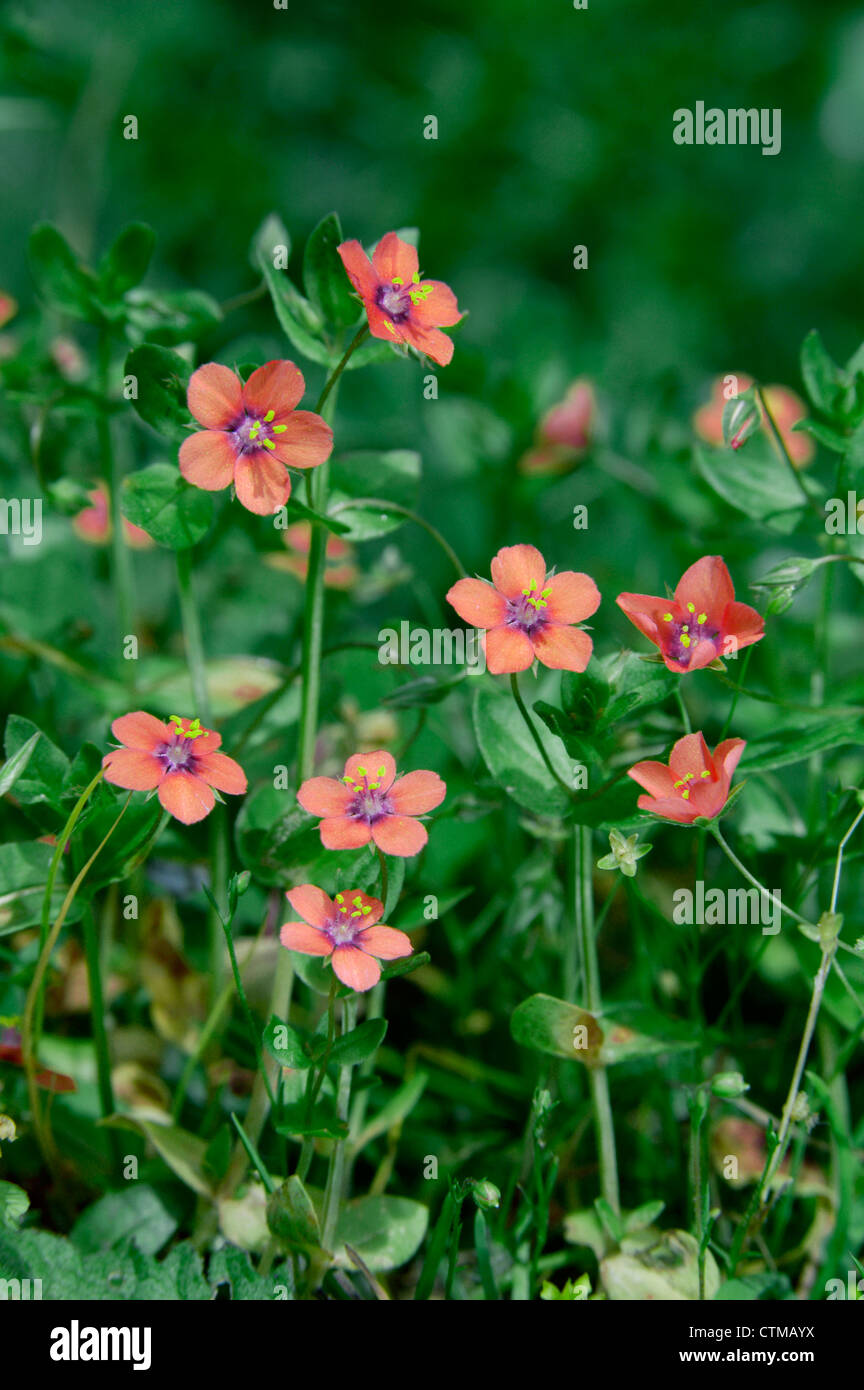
(359, 268)
(563, 648)
(186, 796)
(354, 968)
(438, 307)
(221, 772)
(313, 904)
(708, 586)
(140, 730)
(277, 386)
(378, 766)
(385, 942)
(572, 597)
(299, 936)
(306, 441)
(339, 832)
(416, 793)
(399, 835)
(478, 603)
(657, 779)
(215, 396)
(507, 650)
(395, 259)
(324, 796)
(133, 769)
(262, 483)
(516, 567)
(207, 460)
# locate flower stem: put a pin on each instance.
(784, 452)
(336, 1174)
(340, 367)
(532, 728)
(121, 556)
(380, 503)
(745, 873)
(598, 1080)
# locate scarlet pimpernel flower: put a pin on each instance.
(701, 623)
(179, 760)
(527, 613)
(400, 305)
(252, 434)
(347, 930)
(694, 785)
(369, 805)
(563, 434)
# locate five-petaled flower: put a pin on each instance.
(701, 623)
(252, 434)
(400, 305)
(346, 930)
(528, 614)
(369, 805)
(696, 782)
(179, 760)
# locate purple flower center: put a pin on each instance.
(176, 756)
(255, 432)
(349, 920)
(394, 299)
(371, 802)
(682, 637)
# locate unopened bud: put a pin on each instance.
(485, 1194)
(729, 1085)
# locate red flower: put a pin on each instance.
(346, 931)
(368, 804)
(563, 433)
(340, 571)
(786, 408)
(696, 783)
(701, 623)
(399, 305)
(252, 434)
(528, 614)
(179, 759)
(93, 523)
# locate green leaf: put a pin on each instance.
(291, 1215)
(125, 263)
(823, 379)
(233, 1267)
(638, 684)
(136, 1213)
(360, 1043)
(753, 480)
(424, 690)
(161, 379)
(170, 317)
(13, 1204)
(14, 766)
(285, 1044)
(24, 866)
(324, 277)
(298, 511)
(46, 767)
(393, 476)
(183, 1152)
(159, 499)
(299, 319)
(60, 277)
(69, 1275)
(824, 435)
(397, 1109)
(552, 1026)
(385, 1231)
(794, 737)
(319, 1122)
(754, 1287)
(512, 756)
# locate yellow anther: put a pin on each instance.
(380, 772)
(366, 911)
(685, 641)
(706, 773)
(667, 617)
(686, 795)
(358, 901)
(703, 618)
(397, 281)
(361, 772)
(271, 415)
(691, 608)
(340, 897)
(279, 429)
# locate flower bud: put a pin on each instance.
(729, 1085)
(485, 1194)
(741, 418)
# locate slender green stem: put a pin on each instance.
(192, 637)
(336, 1174)
(334, 376)
(532, 729)
(698, 1186)
(381, 504)
(784, 452)
(736, 694)
(97, 1012)
(745, 873)
(211, 1024)
(598, 1080)
(382, 864)
(112, 472)
(685, 717)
